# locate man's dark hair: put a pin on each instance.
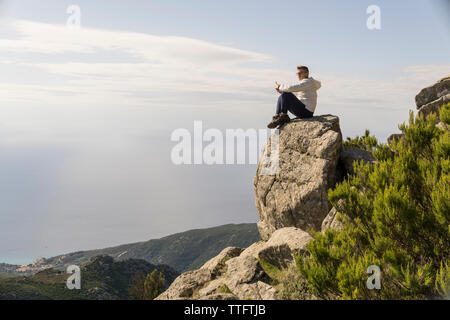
(303, 68)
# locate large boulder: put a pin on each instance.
(237, 273)
(189, 283)
(331, 221)
(297, 193)
(431, 98)
(234, 273)
(186, 285)
(217, 264)
(281, 246)
(434, 106)
(351, 154)
(433, 92)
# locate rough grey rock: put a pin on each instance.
(186, 285)
(296, 195)
(244, 269)
(217, 264)
(242, 275)
(350, 154)
(237, 273)
(212, 287)
(394, 137)
(434, 106)
(245, 276)
(331, 222)
(256, 291)
(283, 242)
(433, 92)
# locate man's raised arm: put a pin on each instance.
(303, 85)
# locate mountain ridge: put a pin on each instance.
(102, 278)
(182, 251)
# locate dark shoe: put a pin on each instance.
(274, 119)
(278, 120)
(272, 124)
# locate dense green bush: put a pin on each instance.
(366, 142)
(147, 287)
(396, 215)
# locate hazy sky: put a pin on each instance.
(86, 114)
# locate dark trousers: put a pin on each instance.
(287, 101)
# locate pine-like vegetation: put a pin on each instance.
(147, 288)
(366, 142)
(396, 215)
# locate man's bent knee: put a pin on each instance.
(284, 94)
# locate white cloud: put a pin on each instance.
(52, 39)
(79, 78)
(156, 63)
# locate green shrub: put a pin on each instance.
(147, 288)
(293, 286)
(272, 271)
(366, 142)
(396, 215)
(224, 289)
(442, 282)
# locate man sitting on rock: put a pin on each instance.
(300, 99)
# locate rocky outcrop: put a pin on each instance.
(241, 276)
(237, 273)
(394, 137)
(297, 194)
(331, 221)
(289, 200)
(434, 106)
(350, 154)
(429, 99)
(433, 92)
(282, 244)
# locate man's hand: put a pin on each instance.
(277, 87)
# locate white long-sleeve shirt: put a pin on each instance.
(305, 91)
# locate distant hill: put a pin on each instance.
(6, 268)
(182, 251)
(101, 279)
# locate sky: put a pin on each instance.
(86, 114)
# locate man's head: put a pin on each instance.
(302, 72)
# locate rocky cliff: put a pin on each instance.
(289, 202)
(296, 195)
(185, 250)
(292, 203)
(429, 99)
